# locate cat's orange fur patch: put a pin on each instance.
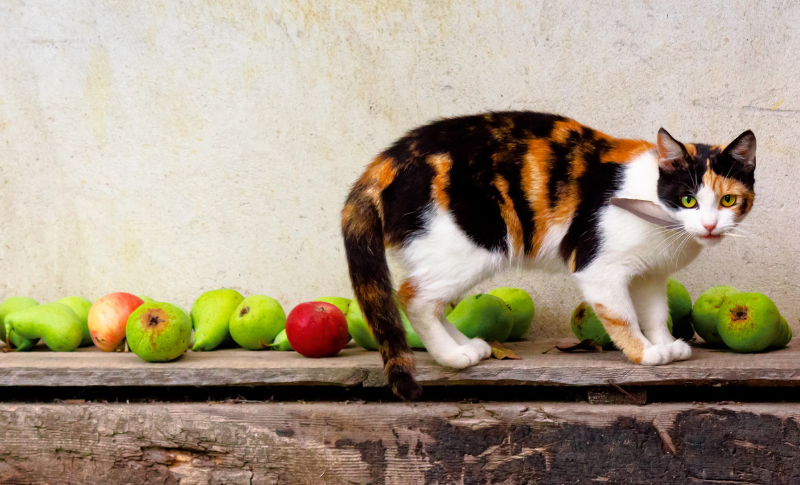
(690, 149)
(441, 165)
(406, 293)
(535, 175)
(724, 186)
(562, 130)
(625, 151)
(621, 333)
(353, 223)
(510, 217)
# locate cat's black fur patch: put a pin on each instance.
(596, 186)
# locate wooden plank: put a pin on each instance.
(333, 443)
(541, 365)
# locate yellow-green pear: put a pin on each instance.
(81, 308)
(522, 309)
(210, 316)
(55, 323)
(341, 303)
(14, 340)
(256, 322)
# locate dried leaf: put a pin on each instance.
(588, 345)
(499, 351)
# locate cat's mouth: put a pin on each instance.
(709, 239)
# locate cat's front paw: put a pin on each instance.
(484, 350)
(657, 355)
(680, 350)
(463, 356)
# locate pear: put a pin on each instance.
(281, 342)
(210, 316)
(585, 325)
(81, 308)
(483, 316)
(750, 322)
(146, 299)
(14, 340)
(705, 310)
(522, 309)
(680, 309)
(158, 332)
(362, 334)
(55, 323)
(341, 303)
(785, 335)
(256, 322)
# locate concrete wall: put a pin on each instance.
(167, 148)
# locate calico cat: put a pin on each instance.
(461, 199)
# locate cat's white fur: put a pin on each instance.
(628, 275)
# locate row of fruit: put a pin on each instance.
(722, 316)
(157, 331)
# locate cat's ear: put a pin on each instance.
(671, 153)
(743, 150)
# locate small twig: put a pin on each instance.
(623, 391)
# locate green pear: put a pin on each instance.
(585, 325)
(256, 322)
(341, 303)
(81, 308)
(785, 335)
(680, 309)
(281, 342)
(14, 340)
(705, 310)
(55, 323)
(483, 316)
(522, 309)
(158, 332)
(362, 334)
(210, 316)
(750, 322)
(146, 299)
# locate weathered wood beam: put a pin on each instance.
(542, 364)
(336, 443)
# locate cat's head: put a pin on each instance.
(708, 189)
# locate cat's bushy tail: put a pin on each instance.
(362, 229)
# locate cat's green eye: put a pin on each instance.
(688, 201)
(728, 200)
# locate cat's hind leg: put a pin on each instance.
(440, 265)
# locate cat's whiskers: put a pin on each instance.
(665, 244)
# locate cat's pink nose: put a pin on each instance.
(710, 227)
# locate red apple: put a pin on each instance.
(108, 318)
(317, 329)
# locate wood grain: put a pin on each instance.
(336, 443)
(542, 364)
